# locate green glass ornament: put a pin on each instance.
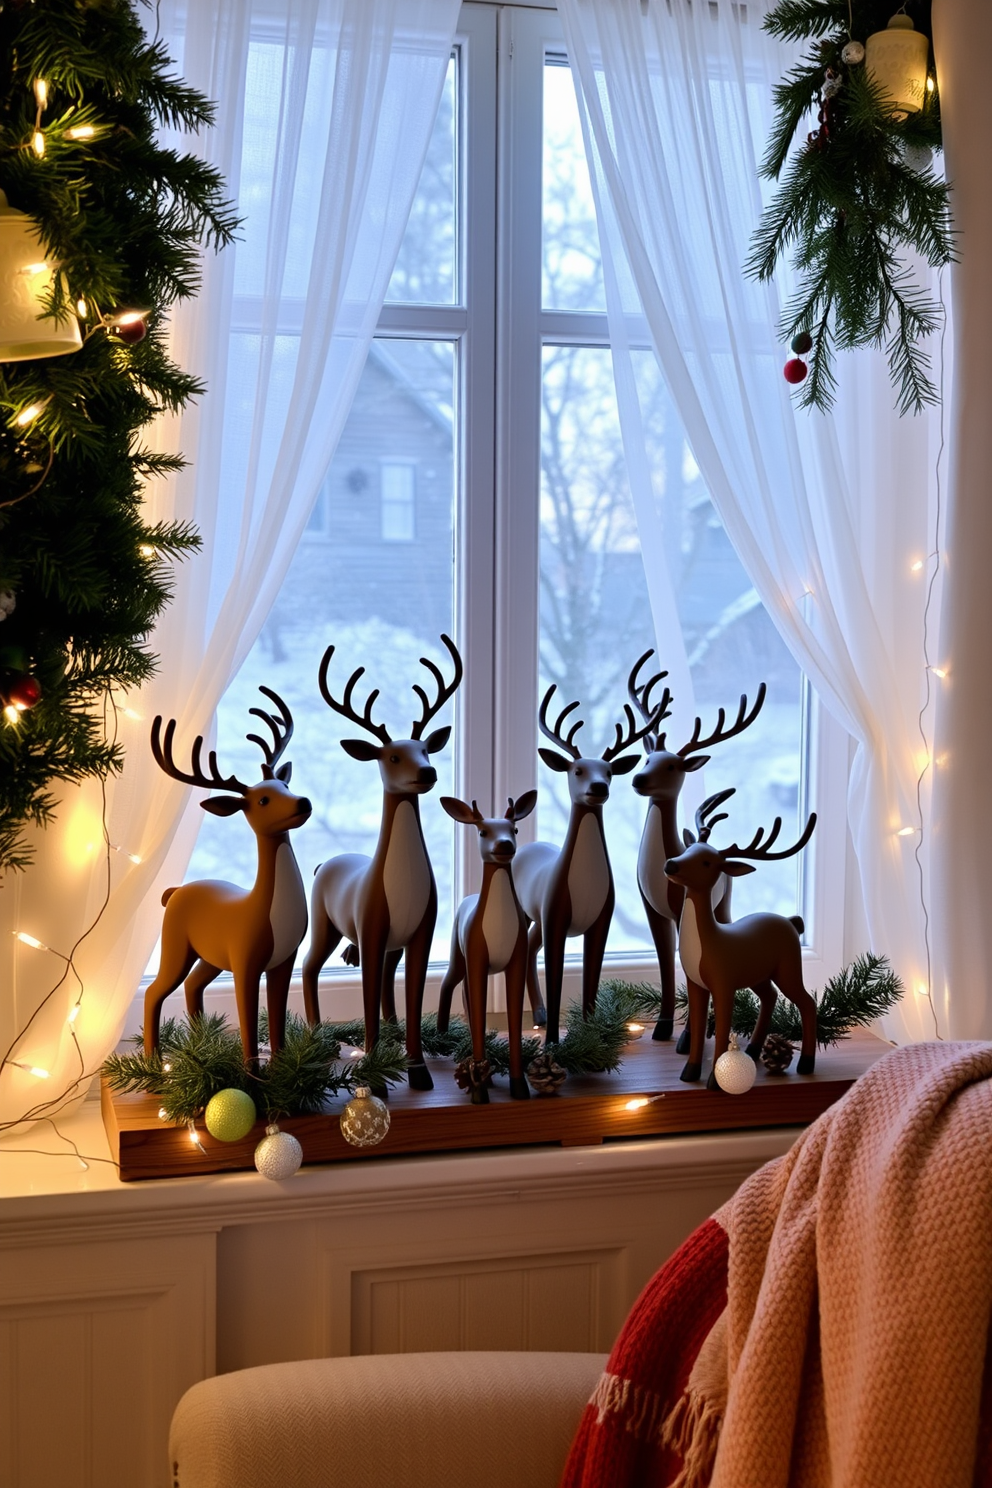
(230, 1115)
(801, 343)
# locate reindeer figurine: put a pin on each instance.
(387, 904)
(490, 935)
(569, 891)
(212, 926)
(761, 951)
(661, 781)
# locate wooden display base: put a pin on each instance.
(591, 1109)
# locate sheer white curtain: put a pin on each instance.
(831, 515)
(325, 110)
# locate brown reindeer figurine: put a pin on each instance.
(661, 781)
(569, 891)
(761, 951)
(387, 904)
(490, 935)
(212, 926)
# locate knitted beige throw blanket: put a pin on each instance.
(852, 1350)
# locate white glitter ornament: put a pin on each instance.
(735, 1070)
(365, 1119)
(278, 1155)
(919, 158)
(853, 53)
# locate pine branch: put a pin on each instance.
(594, 1044)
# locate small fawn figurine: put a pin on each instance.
(212, 926)
(661, 781)
(761, 951)
(387, 904)
(490, 935)
(569, 890)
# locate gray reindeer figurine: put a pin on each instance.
(569, 891)
(761, 951)
(387, 904)
(212, 926)
(661, 781)
(490, 935)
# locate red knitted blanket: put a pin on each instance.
(830, 1327)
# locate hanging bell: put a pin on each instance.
(896, 59)
(25, 280)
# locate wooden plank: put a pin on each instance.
(587, 1110)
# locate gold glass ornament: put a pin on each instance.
(735, 1070)
(896, 58)
(278, 1155)
(25, 279)
(365, 1119)
(230, 1115)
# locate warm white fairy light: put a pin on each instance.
(38, 143)
(131, 857)
(940, 672)
(161, 1113)
(35, 268)
(167, 1068)
(640, 1101)
(30, 940)
(28, 415)
(11, 714)
(916, 567)
(73, 1013)
(80, 131)
(30, 1069)
(906, 832)
(146, 550)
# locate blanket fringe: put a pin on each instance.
(693, 1431)
(639, 1409)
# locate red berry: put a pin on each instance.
(794, 370)
(132, 332)
(25, 692)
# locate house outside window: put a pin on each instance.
(397, 508)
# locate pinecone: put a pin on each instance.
(469, 1074)
(777, 1054)
(546, 1076)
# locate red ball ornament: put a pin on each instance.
(24, 692)
(132, 331)
(794, 370)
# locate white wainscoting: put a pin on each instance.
(115, 1298)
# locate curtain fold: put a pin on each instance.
(324, 114)
(832, 516)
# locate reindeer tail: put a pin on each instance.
(169, 893)
(798, 922)
(350, 955)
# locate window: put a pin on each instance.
(485, 429)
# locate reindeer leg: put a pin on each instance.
(766, 994)
(593, 950)
(792, 986)
(516, 977)
(389, 985)
(276, 998)
(173, 968)
(418, 952)
(246, 980)
(372, 957)
(324, 936)
(699, 1002)
(554, 970)
(477, 981)
(452, 977)
(535, 939)
(723, 1008)
(663, 934)
(199, 978)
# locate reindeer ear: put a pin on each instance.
(360, 749)
(459, 811)
(697, 761)
(737, 870)
(555, 761)
(523, 806)
(284, 773)
(687, 837)
(436, 741)
(625, 764)
(224, 805)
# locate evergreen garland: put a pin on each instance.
(455, 1043)
(853, 998)
(852, 202)
(201, 1056)
(594, 1044)
(126, 220)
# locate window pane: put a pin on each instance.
(596, 620)
(382, 604)
(426, 270)
(573, 270)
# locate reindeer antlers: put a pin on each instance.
(743, 720)
(164, 759)
(555, 734)
(444, 691)
(631, 733)
(281, 724)
(640, 696)
(705, 820)
(761, 851)
(346, 707)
